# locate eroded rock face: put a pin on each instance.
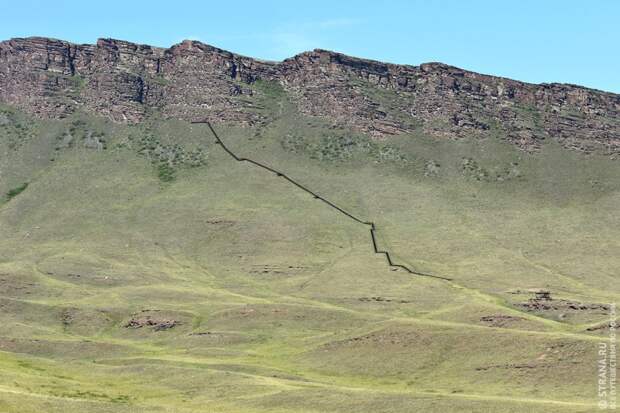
(124, 81)
(451, 102)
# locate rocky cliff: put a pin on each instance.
(126, 82)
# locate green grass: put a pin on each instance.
(281, 305)
(165, 172)
(16, 191)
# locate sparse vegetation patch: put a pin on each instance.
(337, 148)
(12, 193)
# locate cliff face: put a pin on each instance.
(447, 101)
(122, 80)
(126, 81)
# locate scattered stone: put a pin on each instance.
(383, 299)
(431, 168)
(500, 320)
(219, 221)
(606, 326)
(158, 324)
(276, 269)
(543, 295)
(66, 316)
(94, 141)
(508, 366)
(543, 301)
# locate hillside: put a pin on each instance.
(144, 269)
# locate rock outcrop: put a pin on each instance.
(125, 81)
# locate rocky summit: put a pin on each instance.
(126, 82)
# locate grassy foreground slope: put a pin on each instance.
(142, 270)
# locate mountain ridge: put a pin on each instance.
(126, 81)
(306, 52)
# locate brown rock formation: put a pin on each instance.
(126, 81)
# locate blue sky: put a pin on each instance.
(535, 41)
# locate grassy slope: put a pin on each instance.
(281, 287)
